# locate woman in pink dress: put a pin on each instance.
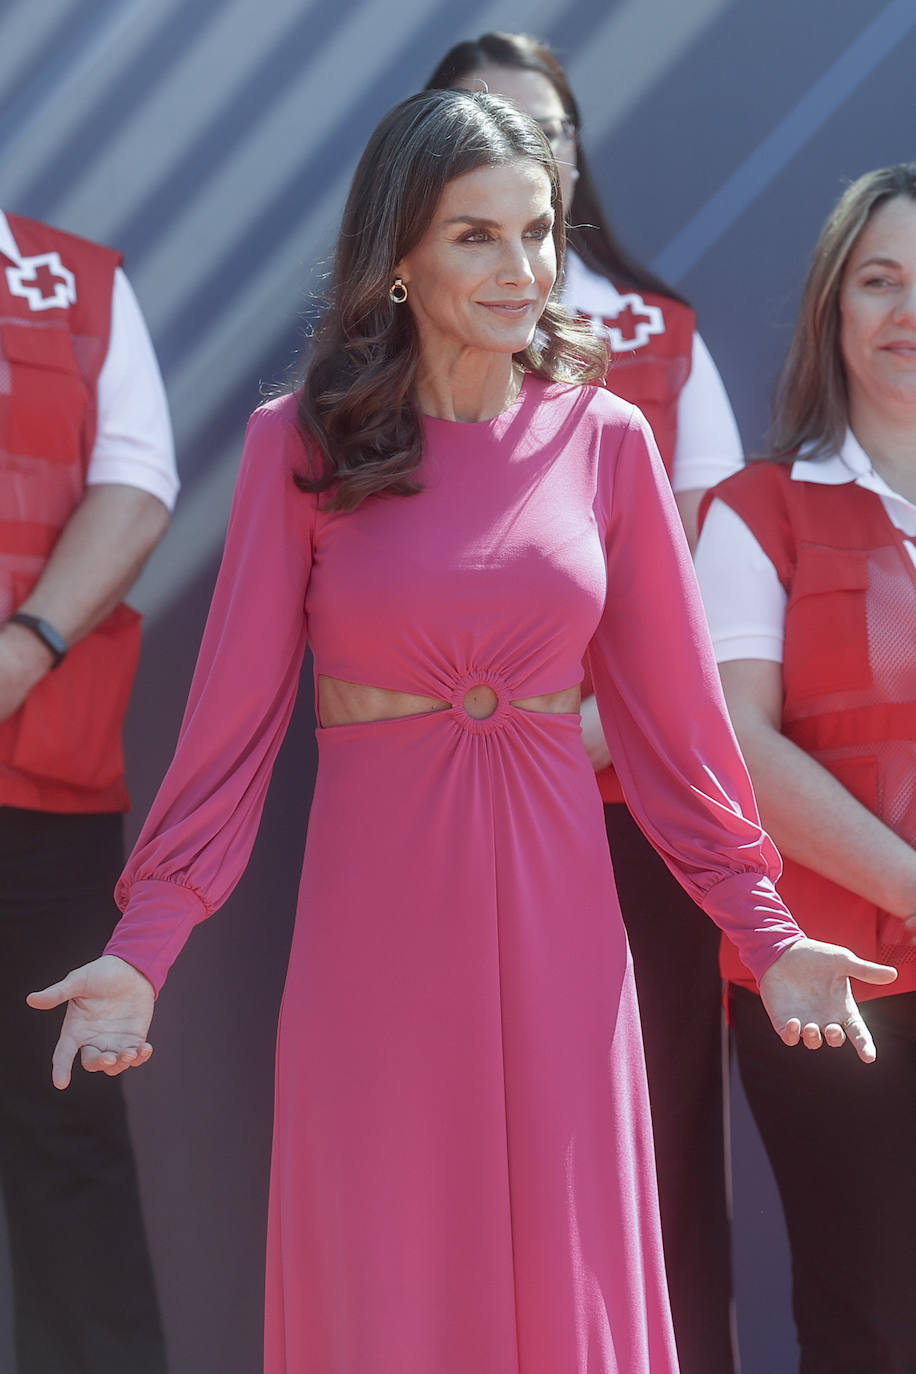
(462, 1174)
(659, 362)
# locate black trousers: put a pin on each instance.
(85, 1301)
(841, 1137)
(675, 957)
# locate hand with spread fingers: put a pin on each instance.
(808, 998)
(110, 1006)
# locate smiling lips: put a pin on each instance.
(510, 308)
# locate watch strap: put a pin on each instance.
(51, 638)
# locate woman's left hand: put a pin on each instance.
(808, 997)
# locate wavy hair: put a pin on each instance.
(357, 401)
(811, 399)
(589, 231)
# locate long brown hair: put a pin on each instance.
(357, 401)
(811, 401)
(589, 232)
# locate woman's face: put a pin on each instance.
(878, 311)
(481, 274)
(537, 96)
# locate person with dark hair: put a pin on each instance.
(462, 1173)
(658, 360)
(808, 567)
(659, 363)
(87, 480)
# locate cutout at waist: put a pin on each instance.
(349, 703)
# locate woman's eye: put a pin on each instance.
(539, 231)
(878, 281)
(475, 236)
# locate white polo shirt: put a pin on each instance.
(744, 598)
(708, 447)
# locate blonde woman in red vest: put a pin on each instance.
(808, 567)
(660, 363)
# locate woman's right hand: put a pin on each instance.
(110, 1006)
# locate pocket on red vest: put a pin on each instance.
(826, 647)
(45, 415)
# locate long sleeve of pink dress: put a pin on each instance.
(664, 715)
(200, 831)
(462, 1172)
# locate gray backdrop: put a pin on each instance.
(212, 142)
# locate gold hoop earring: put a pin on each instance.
(398, 291)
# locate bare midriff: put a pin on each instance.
(347, 703)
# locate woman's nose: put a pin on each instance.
(515, 266)
(906, 304)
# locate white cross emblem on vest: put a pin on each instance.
(643, 320)
(43, 281)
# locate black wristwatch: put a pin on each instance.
(51, 638)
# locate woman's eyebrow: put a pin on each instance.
(480, 222)
(477, 220)
(878, 261)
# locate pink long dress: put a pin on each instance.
(462, 1177)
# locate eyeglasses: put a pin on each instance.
(558, 130)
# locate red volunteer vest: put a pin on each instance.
(651, 343)
(849, 679)
(651, 346)
(61, 751)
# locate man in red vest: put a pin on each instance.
(87, 479)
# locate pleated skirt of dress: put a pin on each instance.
(462, 1178)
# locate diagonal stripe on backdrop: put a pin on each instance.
(789, 136)
(298, 47)
(102, 122)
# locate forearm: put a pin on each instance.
(599, 755)
(97, 558)
(814, 820)
(95, 561)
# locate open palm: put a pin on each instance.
(110, 1006)
(808, 997)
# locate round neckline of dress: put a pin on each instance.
(495, 420)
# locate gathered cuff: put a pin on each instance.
(749, 910)
(159, 915)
